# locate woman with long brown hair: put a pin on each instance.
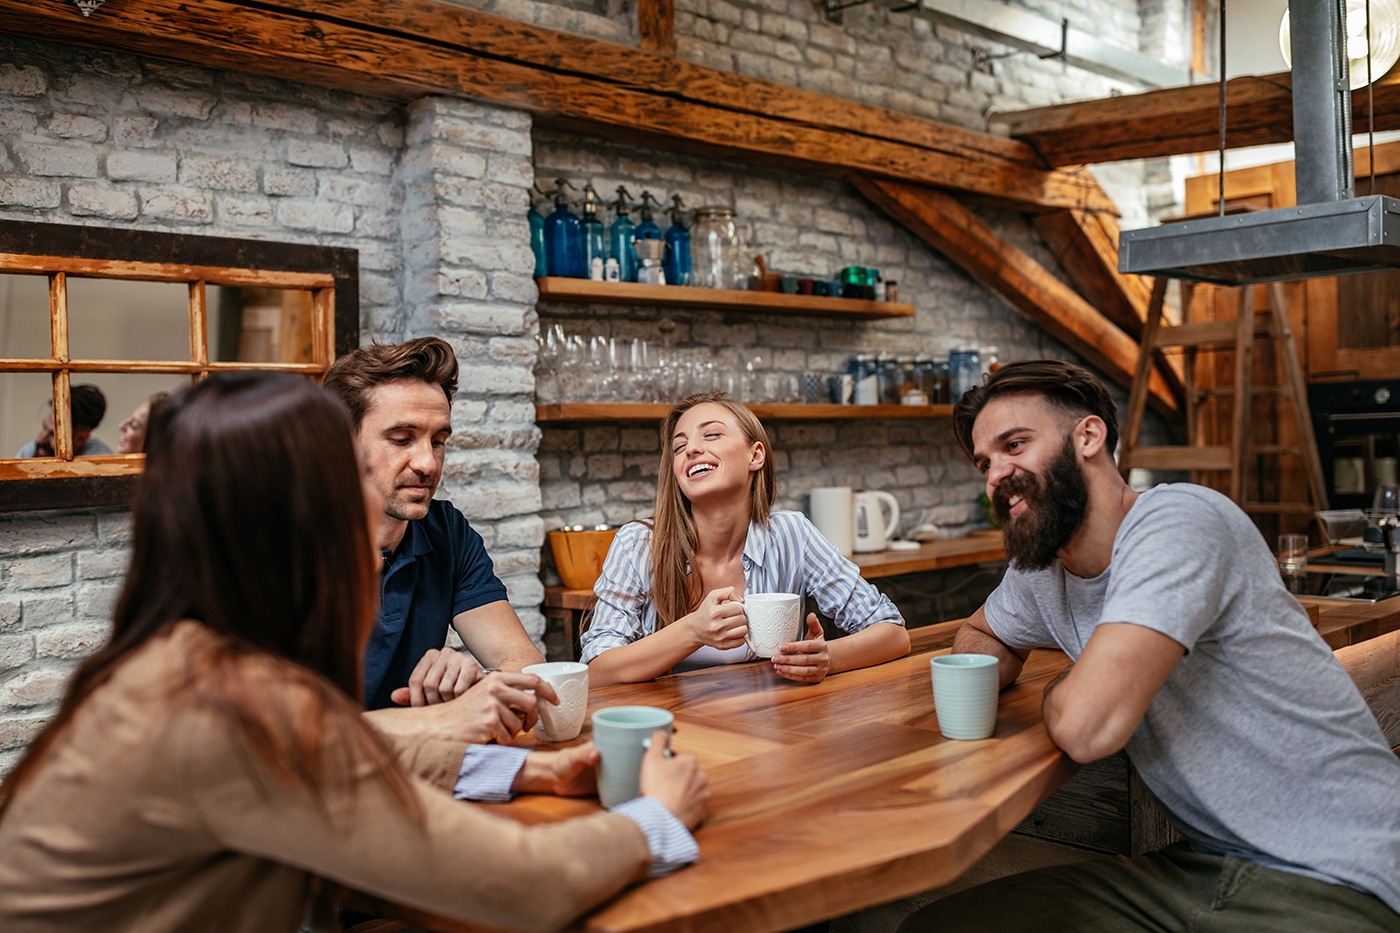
(210, 766)
(671, 591)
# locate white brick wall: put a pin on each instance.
(467, 278)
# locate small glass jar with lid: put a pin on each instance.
(716, 251)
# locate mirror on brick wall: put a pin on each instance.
(95, 324)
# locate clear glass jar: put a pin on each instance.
(716, 253)
(964, 372)
(866, 389)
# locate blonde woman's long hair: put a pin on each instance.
(673, 537)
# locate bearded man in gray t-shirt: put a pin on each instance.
(1190, 654)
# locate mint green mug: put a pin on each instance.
(622, 735)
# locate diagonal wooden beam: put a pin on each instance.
(404, 50)
(1175, 121)
(1087, 246)
(1024, 283)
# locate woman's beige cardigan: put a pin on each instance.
(153, 815)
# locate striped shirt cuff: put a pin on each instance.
(671, 844)
(488, 771)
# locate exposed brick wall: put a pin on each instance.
(466, 175)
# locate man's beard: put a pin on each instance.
(1055, 506)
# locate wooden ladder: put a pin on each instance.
(1233, 458)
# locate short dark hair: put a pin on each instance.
(357, 373)
(1072, 389)
(88, 406)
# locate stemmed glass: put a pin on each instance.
(551, 353)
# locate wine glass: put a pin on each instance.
(551, 353)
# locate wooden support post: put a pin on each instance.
(656, 26)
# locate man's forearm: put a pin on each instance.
(972, 640)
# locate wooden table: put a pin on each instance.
(826, 799)
(566, 607)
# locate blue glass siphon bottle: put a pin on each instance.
(677, 261)
(620, 237)
(594, 237)
(647, 229)
(563, 240)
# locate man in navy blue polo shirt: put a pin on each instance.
(436, 571)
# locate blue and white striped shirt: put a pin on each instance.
(788, 555)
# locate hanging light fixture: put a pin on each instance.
(1383, 45)
(1330, 231)
(87, 6)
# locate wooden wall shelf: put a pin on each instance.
(646, 411)
(716, 299)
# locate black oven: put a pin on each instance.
(1358, 437)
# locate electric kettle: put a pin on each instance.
(874, 530)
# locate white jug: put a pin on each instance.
(873, 530)
(834, 515)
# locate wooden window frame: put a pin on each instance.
(61, 250)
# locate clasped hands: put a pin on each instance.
(473, 705)
(719, 621)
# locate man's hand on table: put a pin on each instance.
(807, 661)
(440, 675)
(568, 772)
(494, 709)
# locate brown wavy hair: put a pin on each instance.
(1070, 388)
(250, 520)
(673, 539)
(359, 372)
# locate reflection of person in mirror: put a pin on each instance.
(131, 433)
(88, 407)
(436, 570)
(671, 591)
(1190, 655)
(211, 760)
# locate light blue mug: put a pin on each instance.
(965, 690)
(622, 735)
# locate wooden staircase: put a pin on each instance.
(1236, 457)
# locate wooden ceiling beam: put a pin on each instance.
(408, 49)
(1176, 121)
(943, 223)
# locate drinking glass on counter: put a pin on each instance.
(1293, 553)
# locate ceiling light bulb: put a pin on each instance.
(1382, 47)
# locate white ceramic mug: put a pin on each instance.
(622, 735)
(774, 620)
(965, 688)
(560, 722)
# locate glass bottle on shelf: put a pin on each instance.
(591, 229)
(964, 372)
(866, 378)
(716, 252)
(647, 228)
(563, 241)
(677, 262)
(620, 237)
